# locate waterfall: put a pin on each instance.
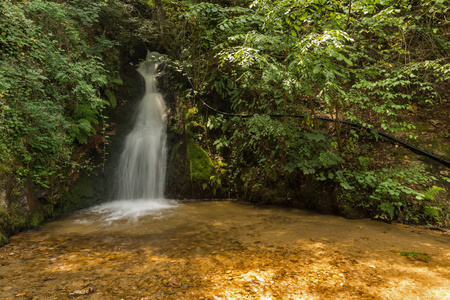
(142, 166)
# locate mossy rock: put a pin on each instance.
(201, 165)
(178, 184)
(4, 221)
(36, 219)
(3, 239)
(87, 191)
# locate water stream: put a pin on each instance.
(142, 167)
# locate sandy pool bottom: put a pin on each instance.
(224, 250)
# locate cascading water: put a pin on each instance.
(141, 173)
(142, 168)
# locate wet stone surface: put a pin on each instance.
(224, 250)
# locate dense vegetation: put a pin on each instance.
(369, 61)
(50, 80)
(58, 74)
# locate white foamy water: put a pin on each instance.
(140, 180)
(142, 167)
(130, 210)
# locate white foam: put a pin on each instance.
(131, 209)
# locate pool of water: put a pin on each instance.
(221, 250)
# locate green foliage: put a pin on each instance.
(391, 194)
(429, 193)
(265, 150)
(435, 214)
(321, 48)
(218, 123)
(50, 81)
(216, 181)
(361, 61)
(412, 254)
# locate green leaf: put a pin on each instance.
(112, 98)
(117, 81)
(346, 185)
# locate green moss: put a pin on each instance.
(87, 191)
(20, 222)
(17, 220)
(423, 126)
(201, 166)
(3, 239)
(36, 219)
(436, 146)
(4, 224)
(446, 149)
(439, 146)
